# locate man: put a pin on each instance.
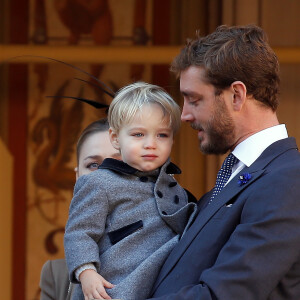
(244, 243)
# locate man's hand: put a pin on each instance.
(93, 285)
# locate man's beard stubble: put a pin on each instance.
(219, 131)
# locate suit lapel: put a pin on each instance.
(229, 191)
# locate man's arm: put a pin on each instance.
(262, 248)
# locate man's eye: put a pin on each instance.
(194, 102)
(93, 166)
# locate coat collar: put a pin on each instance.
(122, 167)
(256, 170)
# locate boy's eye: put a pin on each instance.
(137, 134)
(163, 135)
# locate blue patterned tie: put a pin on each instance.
(223, 175)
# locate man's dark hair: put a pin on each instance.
(236, 53)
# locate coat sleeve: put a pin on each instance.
(262, 248)
(54, 280)
(86, 223)
(47, 283)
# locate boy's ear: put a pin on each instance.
(113, 136)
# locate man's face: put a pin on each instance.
(207, 113)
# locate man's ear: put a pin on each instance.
(239, 95)
(113, 136)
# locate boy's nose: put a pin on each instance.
(150, 143)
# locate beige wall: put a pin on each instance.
(6, 163)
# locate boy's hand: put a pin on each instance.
(93, 285)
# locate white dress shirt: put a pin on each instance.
(251, 148)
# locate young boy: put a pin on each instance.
(125, 218)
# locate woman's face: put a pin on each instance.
(93, 151)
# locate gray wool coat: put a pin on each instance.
(126, 222)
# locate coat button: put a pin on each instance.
(143, 179)
(172, 184)
(159, 194)
(176, 199)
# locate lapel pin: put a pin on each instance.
(244, 178)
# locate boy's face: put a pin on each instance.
(146, 142)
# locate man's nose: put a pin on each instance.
(186, 115)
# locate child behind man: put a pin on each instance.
(125, 218)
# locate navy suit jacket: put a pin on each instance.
(246, 243)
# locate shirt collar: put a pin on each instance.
(251, 148)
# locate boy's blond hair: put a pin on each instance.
(130, 99)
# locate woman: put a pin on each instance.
(92, 147)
